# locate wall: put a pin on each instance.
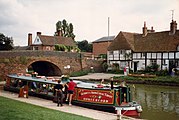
(18, 61)
(100, 48)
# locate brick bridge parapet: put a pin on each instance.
(18, 61)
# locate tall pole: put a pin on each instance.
(172, 13)
(108, 41)
(108, 27)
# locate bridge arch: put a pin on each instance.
(44, 68)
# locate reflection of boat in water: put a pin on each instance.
(106, 98)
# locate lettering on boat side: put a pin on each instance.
(96, 96)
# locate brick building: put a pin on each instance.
(44, 42)
(100, 45)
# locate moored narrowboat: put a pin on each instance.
(106, 97)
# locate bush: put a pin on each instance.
(152, 68)
(104, 56)
(162, 73)
(79, 73)
(105, 66)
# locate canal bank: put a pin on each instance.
(91, 113)
(94, 114)
(164, 81)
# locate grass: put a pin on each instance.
(167, 79)
(16, 110)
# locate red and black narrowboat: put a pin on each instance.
(107, 98)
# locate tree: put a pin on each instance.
(6, 43)
(60, 47)
(84, 46)
(65, 28)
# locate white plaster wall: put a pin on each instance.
(37, 41)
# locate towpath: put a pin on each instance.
(97, 76)
(94, 114)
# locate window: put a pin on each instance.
(47, 48)
(122, 52)
(110, 52)
(152, 62)
(36, 48)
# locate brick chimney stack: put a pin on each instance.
(173, 27)
(144, 29)
(29, 39)
(152, 29)
(59, 33)
(38, 33)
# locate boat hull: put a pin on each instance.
(86, 95)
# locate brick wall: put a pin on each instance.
(18, 61)
(100, 48)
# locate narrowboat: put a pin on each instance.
(109, 98)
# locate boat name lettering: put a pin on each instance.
(96, 100)
(96, 93)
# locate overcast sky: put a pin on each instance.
(89, 17)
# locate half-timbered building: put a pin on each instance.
(141, 50)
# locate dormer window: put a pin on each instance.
(37, 40)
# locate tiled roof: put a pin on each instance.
(124, 40)
(158, 41)
(21, 48)
(52, 40)
(152, 42)
(104, 39)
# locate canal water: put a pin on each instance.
(158, 102)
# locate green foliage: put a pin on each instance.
(152, 68)
(128, 56)
(60, 47)
(116, 71)
(84, 46)
(6, 43)
(6, 60)
(23, 60)
(104, 56)
(65, 28)
(80, 73)
(105, 66)
(15, 110)
(162, 73)
(77, 49)
(159, 79)
(115, 66)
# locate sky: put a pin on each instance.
(89, 17)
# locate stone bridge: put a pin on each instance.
(46, 63)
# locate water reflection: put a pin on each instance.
(158, 102)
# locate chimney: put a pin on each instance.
(144, 29)
(173, 27)
(59, 33)
(38, 33)
(29, 39)
(152, 30)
